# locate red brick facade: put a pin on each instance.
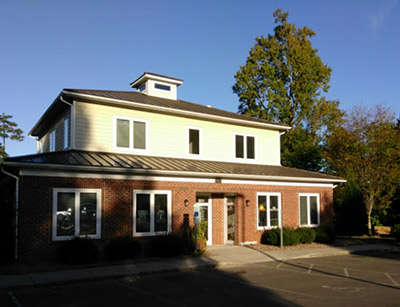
(35, 209)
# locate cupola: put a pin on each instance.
(157, 85)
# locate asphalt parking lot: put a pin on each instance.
(328, 281)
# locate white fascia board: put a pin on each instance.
(180, 112)
(148, 76)
(143, 172)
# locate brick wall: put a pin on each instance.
(35, 214)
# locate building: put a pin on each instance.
(112, 163)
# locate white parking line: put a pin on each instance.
(391, 279)
(310, 269)
(346, 272)
(14, 299)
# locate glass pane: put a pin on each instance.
(303, 210)
(239, 146)
(204, 220)
(162, 87)
(231, 221)
(194, 141)
(160, 212)
(139, 129)
(123, 133)
(65, 214)
(142, 212)
(250, 147)
(273, 215)
(313, 210)
(88, 213)
(262, 211)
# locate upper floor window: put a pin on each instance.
(66, 133)
(52, 140)
(76, 212)
(245, 146)
(131, 133)
(309, 209)
(194, 135)
(142, 87)
(162, 87)
(269, 209)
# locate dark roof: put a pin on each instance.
(160, 165)
(170, 104)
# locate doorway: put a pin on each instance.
(230, 219)
(204, 202)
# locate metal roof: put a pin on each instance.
(137, 164)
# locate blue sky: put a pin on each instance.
(50, 45)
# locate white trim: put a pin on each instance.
(308, 195)
(149, 76)
(152, 193)
(131, 104)
(131, 149)
(188, 128)
(77, 216)
(72, 145)
(209, 214)
(297, 184)
(226, 241)
(268, 209)
(248, 242)
(245, 136)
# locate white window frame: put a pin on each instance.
(245, 135)
(66, 128)
(52, 140)
(308, 195)
(188, 128)
(131, 133)
(77, 213)
(152, 224)
(268, 209)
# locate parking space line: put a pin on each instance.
(391, 279)
(14, 299)
(282, 262)
(346, 272)
(310, 268)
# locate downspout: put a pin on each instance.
(16, 210)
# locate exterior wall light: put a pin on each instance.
(186, 203)
(247, 202)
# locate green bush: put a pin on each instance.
(122, 248)
(273, 237)
(325, 233)
(166, 245)
(306, 235)
(395, 232)
(77, 251)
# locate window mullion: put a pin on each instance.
(77, 213)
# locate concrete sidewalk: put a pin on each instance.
(216, 256)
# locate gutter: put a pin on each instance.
(16, 210)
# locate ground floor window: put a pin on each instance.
(309, 209)
(151, 212)
(268, 210)
(76, 212)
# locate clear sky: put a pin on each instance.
(48, 45)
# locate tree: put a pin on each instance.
(366, 150)
(8, 129)
(282, 81)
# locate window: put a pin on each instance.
(163, 87)
(52, 140)
(151, 212)
(76, 212)
(245, 146)
(131, 133)
(142, 87)
(309, 209)
(66, 133)
(194, 141)
(269, 210)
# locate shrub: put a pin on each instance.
(395, 232)
(166, 245)
(122, 248)
(77, 251)
(325, 233)
(273, 237)
(306, 235)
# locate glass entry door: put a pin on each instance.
(230, 220)
(205, 216)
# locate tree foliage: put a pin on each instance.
(282, 81)
(8, 129)
(366, 150)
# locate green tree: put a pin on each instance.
(8, 129)
(366, 150)
(282, 81)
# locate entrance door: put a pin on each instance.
(205, 216)
(230, 219)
